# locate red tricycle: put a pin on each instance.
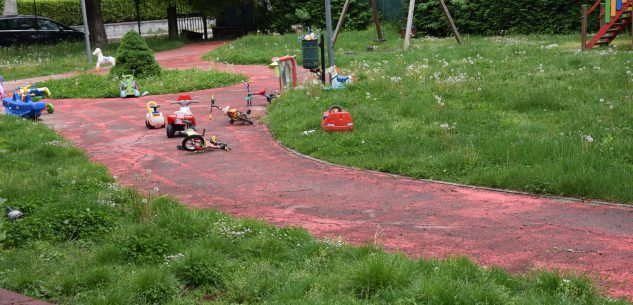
(182, 119)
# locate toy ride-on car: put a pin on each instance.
(154, 118)
(129, 87)
(182, 119)
(335, 119)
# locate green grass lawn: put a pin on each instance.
(39, 60)
(87, 240)
(169, 81)
(528, 113)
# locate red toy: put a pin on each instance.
(335, 119)
(233, 114)
(181, 120)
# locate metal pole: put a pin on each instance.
(407, 35)
(583, 28)
(322, 47)
(328, 26)
(138, 15)
(86, 31)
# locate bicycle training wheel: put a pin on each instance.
(193, 143)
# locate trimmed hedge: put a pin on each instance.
(502, 17)
(69, 11)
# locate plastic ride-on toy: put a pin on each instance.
(262, 92)
(129, 87)
(181, 120)
(154, 118)
(335, 119)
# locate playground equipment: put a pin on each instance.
(447, 14)
(23, 108)
(35, 92)
(335, 119)
(615, 16)
(374, 13)
(101, 60)
(233, 114)
(286, 70)
(262, 92)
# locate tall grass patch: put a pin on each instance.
(133, 248)
(528, 113)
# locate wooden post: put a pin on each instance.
(583, 28)
(602, 12)
(339, 25)
(407, 34)
(447, 14)
(374, 11)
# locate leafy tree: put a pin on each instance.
(134, 57)
(98, 35)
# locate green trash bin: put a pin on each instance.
(310, 54)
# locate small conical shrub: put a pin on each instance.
(134, 57)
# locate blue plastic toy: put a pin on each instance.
(25, 109)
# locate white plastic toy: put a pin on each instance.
(103, 59)
(2, 94)
(154, 118)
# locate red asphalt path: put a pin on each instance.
(261, 179)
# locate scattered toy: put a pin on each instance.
(129, 86)
(14, 214)
(154, 118)
(26, 109)
(197, 142)
(262, 92)
(338, 80)
(35, 92)
(233, 114)
(335, 119)
(286, 70)
(2, 94)
(180, 121)
(101, 60)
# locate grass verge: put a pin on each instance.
(169, 81)
(39, 60)
(529, 113)
(86, 240)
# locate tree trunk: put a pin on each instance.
(10, 7)
(172, 21)
(98, 35)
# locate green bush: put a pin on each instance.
(312, 13)
(483, 17)
(69, 11)
(134, 57)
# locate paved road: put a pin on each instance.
(261, 179)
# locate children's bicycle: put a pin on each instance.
(262, 92)
(197, 142)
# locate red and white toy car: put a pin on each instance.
(182, 119)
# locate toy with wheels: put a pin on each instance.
(154, 118)
(26, 109)
(233, 114)
(35, 92)
(262, 92)
(335, 119)
(180, 121)
(197, 142)
(129, 87)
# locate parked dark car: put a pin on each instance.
(23, 29)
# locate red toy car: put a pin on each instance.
(335, 119)
(182, 119)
